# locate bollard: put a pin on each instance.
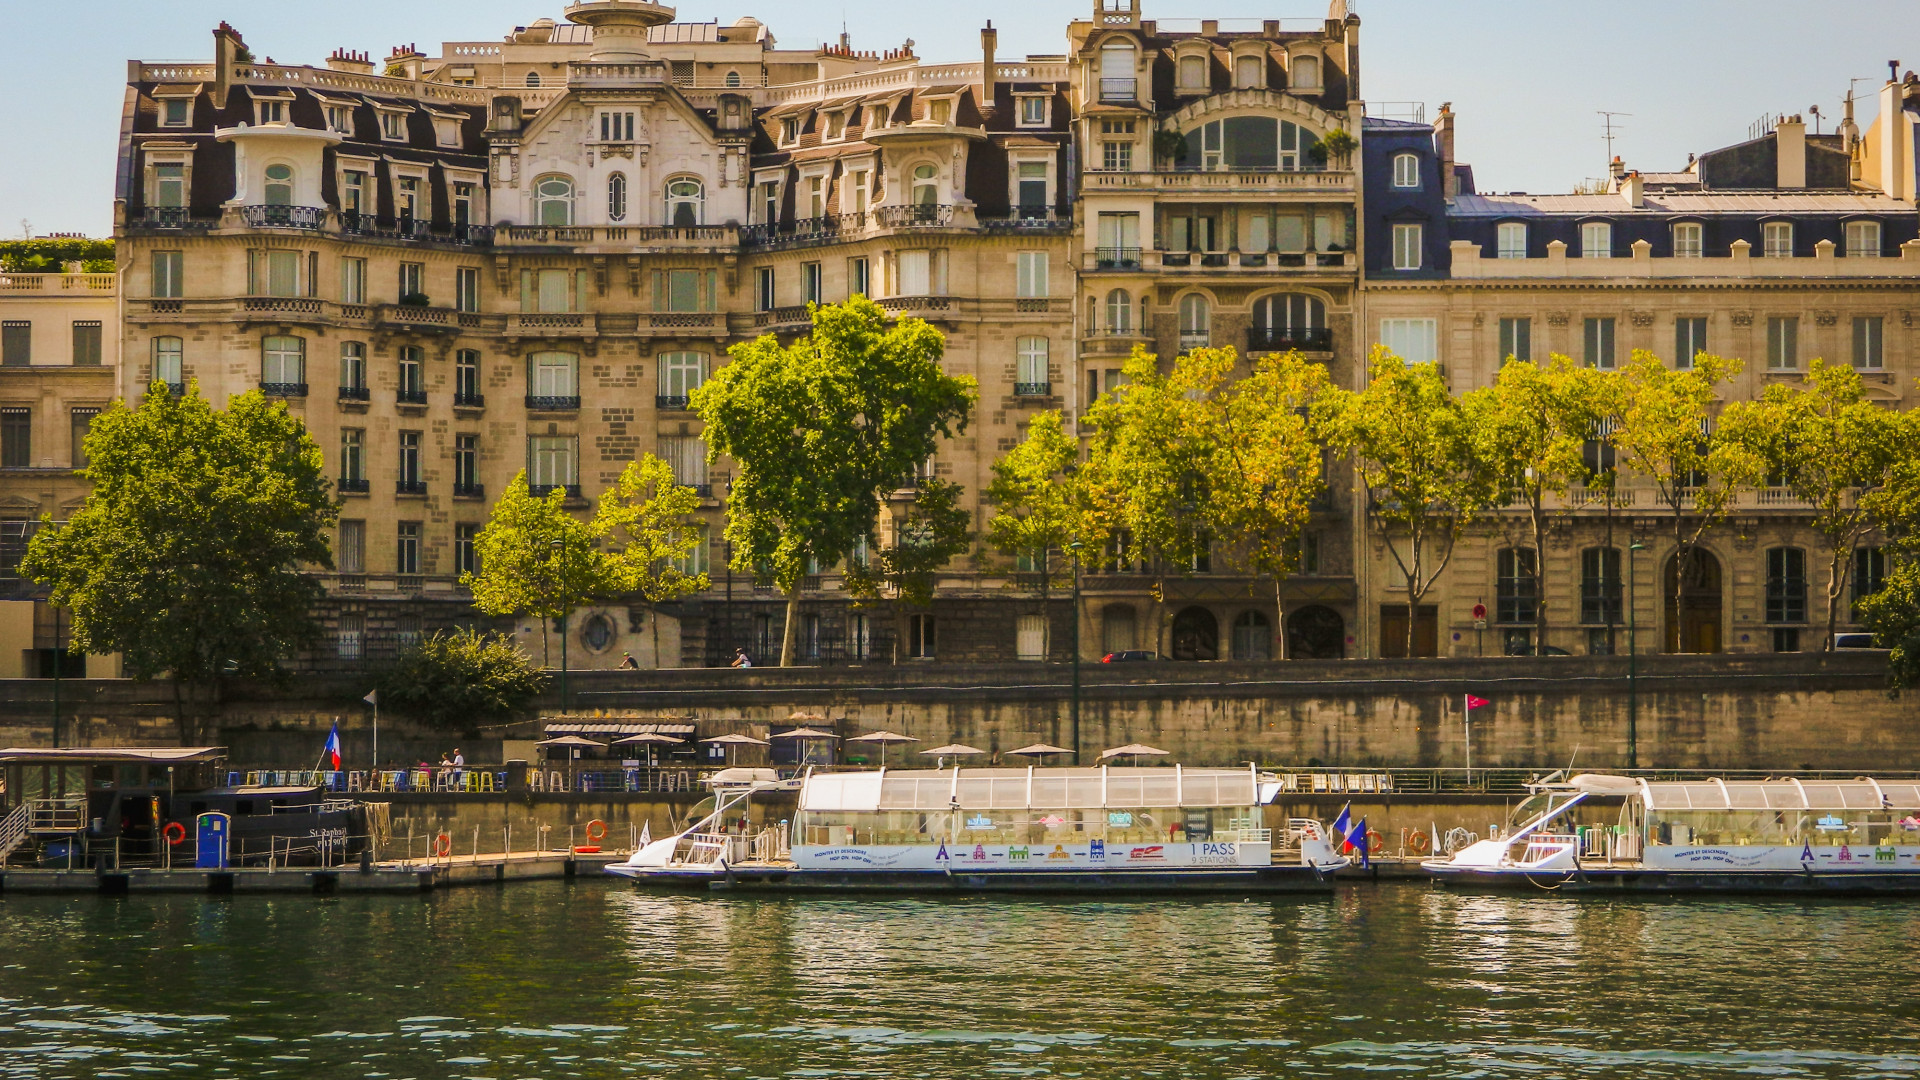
(476, 845)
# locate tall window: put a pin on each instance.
(1033, 189)
(466, 555)
(1031, 365)
(1306, 73)
(859, 191)
(859, 277)
(1867, 330)
(1869, 572)
(1032, 267)
(1599, 343)
(550, 462)
(1196, 322)
(915, 273)
(682, 290)
(1777, 239)
(1119, 312)
(1407, 241)
(167, 274)
(687, 455)
(1516, 339)
(1689, 241)
(408, 471)
(926, 185)
(1117, 68)
(616, 127)
(1863, 239)
(1513, 240)
(681, 373)
(413, 365)
(353, 365)
(1786, 585)
(462, 206)
(812, 283)
(1406, 170)
(466, 289)
(353, 192)
(170, 187)
(1193, 72)
(353, 459)
(406, 558)
(1783, 343)
(278, 190)
(466, 377)
(283, 365)
(350, 556)
(275, 272)
(699, 558)
(1600, 586)
(16, 343)
(169, 361)
(1596, 240)
(553, 200)
(353, 281)
(547, 291)
(466, 464)
(764, 294)
(1249, 72)
(553, 377)
(81, 421)
(16, 438)
(920, 637)
(1517, 589)
(1417, 341)
(1689, 340)
(406, 200)
(413, 281)
(86, 343)
(686, 200)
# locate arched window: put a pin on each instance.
(1406, 170)
(1250, 72)
(686, 201)
(1117, 68)
(1517, 589)
(1306, 73)
(279, 189)
(1248, 142)
(733, 79)
(553, 200)
(926, 185)
(617, 197)
(1119, 312)
(533, 78)
(1193, 72)
(1290, 321)
(1196, 322)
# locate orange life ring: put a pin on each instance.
(1420, 842)
(596, 831)
(1375, 842)
(587, 849)
(175, 833)
(443, 845)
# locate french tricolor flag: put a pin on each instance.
(330, 753)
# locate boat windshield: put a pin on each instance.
(1532, 807)
(699, 812)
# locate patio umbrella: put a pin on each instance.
(1040, 750)
(952, 750)
(803, 733)
(1136, 751)
(649, 739)
(731, 741)
(883, 738)
(807, 718)
(573, 744)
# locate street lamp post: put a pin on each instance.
(1074, 550)
(1633, 649)
(58, 662)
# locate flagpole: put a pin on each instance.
(1466, 701)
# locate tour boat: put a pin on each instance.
(1601, 832)
(1103, 829)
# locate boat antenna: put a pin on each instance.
(1571, 760)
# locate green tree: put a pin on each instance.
(1036, 497)
(462, 679)
(820, 430)
(925, 535)
(1530, 427)
(1413, 447)
(536, 558)
(1832, 449)
(186, 557)
(1666, 435)
(647, 519)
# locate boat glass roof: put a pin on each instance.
(1862, 794)
(1007, 789)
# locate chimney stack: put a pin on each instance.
(1634, 189)
(1443, 140)
(989, 43)
(1790, 152)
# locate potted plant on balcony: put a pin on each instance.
(1337, 145)
(1169, 146)
(415, 299)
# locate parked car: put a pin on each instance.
(1855, 642)
(1544, 650)
(1128, 656)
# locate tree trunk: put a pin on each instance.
(653, 616)
(1837, 567)
(787, 631)
(1539, 575)
(1281, 652)
(1608, 582)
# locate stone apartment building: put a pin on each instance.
(524, 255)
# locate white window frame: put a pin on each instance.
(553, 375)
(1030, 360)
(1776, 239)
(698, 201)
(169, 361)
(353, 281)
(542, 199)
(1027, 116)
(1596, 240)
(1406, 171)
(1869, 343)
(681, 373)
(1417, 341)
(1689, 240)
(553, 460)
(393, 122)
(1512, 239)
(1409, 240)
(446, 128)
(1030, 273)
(272, 110)
(163, 100)
(1864, 239)
(281, 359)
(466, 289)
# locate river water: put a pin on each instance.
(597, 980)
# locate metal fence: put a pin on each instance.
(1322, 780)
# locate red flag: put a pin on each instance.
(1476, 702)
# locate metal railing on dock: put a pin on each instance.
(1322, 780)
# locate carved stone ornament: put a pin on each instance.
(1743, 318)
(1825, 318)
(1642, 318)
(1556, 318)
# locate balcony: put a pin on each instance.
(465, 400)
(1224, 182)
(818, 230)
(1190, 340)
(621, 238)
(173, 217)
(355, 393)
(368, 225)
(686, 320)
(916, 216)
(284, 389)
(1119, 91)
(1033, 389)
(409, 487)
(541, 491)
(552, 403)
(1283, 338)
(1029, 219)
(284, 217)
(1117, 258)
(672, 402)
(282, 305)
(469, 491)
(352, 485)
(409, 397)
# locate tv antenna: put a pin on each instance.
(1612, 129)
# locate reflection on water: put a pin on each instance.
(597, 980)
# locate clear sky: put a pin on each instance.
(1526, 77)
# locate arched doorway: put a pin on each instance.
(1316, 632)
(1196, 635)
(1693, 603)
(1252, 636)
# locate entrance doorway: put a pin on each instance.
(1393, 631)
(1693, 603)
(1252, 636)
(1196, 635)
(1316, 632)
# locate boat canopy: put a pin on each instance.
(1789, 794)
(1010, 789)
(158, 755)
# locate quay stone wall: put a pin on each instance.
(1786, 712)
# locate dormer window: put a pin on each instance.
(941, 112)
(1193, 73)
(1863, 239)
(616, 127)
(1306, 73)
(270, 111)
(446, 130)
(1688, 240)
(1777, 238)
(1249, 72)
(1033, 110)
(836, 125)
(278, 190)
(393, 125)
(176, 112)
(1406, 171)
(340, 119)
(789, 131)
(1596, 240)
